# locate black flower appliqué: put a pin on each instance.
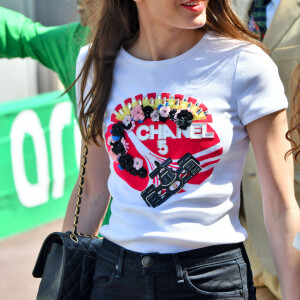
(148, 110)
(163, 119)
(184, 119)
(142, 172)
(118, 129)
(118, 148)
(126, 162)
(172, 114)
(133, 171)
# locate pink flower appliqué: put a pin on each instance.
(113, 156)
(110, 140)
(164, 111)
(126, 145)
(155, 116)
(137, 163)
(137, 113)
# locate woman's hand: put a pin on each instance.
(281, 211)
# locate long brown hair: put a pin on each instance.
(293, 133)
(117, 23)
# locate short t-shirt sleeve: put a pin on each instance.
(258, 89)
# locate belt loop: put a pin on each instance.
(179, 271)
(119, 266)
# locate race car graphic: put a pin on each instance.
(171, 181)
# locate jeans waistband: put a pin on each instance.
(159, 262)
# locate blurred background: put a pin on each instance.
(39, 150)
(33, 78)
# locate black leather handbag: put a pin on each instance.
(66, 262)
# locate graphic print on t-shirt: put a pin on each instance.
(171, 181)
(162, 145)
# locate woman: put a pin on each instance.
(178, 87)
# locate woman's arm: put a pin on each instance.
(55, 47)
(95, 197)
(19, 36)
(281, 211)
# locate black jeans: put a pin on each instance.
(216, 272)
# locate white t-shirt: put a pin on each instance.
(179, 189)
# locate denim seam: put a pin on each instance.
(215, 262)
(108, 283)
(147, 288)
(223, 294)
(245, 287)
(108, 259)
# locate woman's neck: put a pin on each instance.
(167, 44)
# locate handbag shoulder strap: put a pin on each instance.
(75, 233)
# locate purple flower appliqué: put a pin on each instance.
(155, 116)
(137, 163)
(127, 121)
(137, 113)
(164, 111)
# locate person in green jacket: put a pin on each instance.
(55, 47)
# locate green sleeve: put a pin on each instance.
(56, 47)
